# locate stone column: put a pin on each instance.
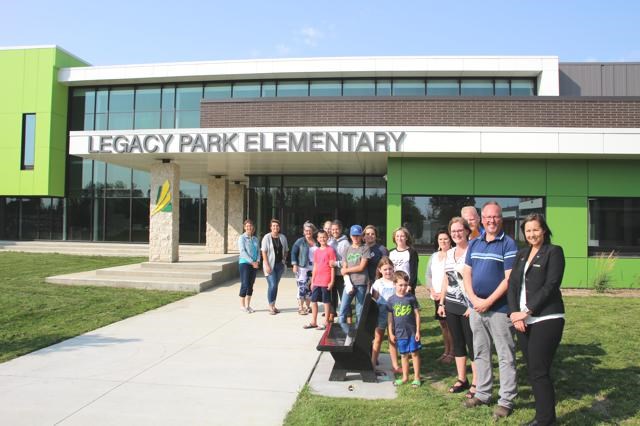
(217, 198)
(164, 213)
(235, 215)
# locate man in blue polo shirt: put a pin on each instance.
(489, 260)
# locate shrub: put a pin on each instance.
(604, 267)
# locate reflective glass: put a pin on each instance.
(325, 88)
(78, 218)
(167, 119)
(147, 120)
(118, 181)
(99, 176)
(120, 120)
(28, 141)
(442, 87)
(359, 88)
(189, 220)
(383, 88)
(614, 224)
(246, 90)
(293, 88)
(408, 87)
(102, 100)
(79, 176)
(101, 122)
(375, 205)
(9, 218)
(29, 218)
(148, 98)
(187, 119)
(140, 220)
(82, 104)
(217, 91)
(522, 87)
(117, 216)
(88, 122)
(121, 99)
(502, 87)
(350, 200)
(476, 87)
(189, 189)
(188, 97)
(168, 98)
(141, 184)
(268, 89)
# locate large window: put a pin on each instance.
(614, 225)
(424, 216)
(28, 141)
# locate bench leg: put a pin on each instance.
(338, 375)
(368, 376)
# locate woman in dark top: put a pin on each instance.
(537, 311)
(376, 251)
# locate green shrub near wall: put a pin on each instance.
(565, 184)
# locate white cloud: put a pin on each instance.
(311, 36)
(283, 49)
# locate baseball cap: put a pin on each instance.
(355, 230)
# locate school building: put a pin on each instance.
(184, 152)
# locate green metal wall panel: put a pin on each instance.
(625, 273)
(567, 218)
(575, 273)
(510, 177)
(394, 218)
(437, 176)
(567, 177)
(614, 178)
(394, 175)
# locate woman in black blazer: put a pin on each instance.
(537, 311)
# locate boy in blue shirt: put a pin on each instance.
(404, 327)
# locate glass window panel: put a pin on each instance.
(614, 224)
(442, 88)
(148, 98)
(117, 216)
(383, 88)
(141, 184)
(118, 181)
(57, 218)
(359, 88)
(217, 91)
(168, 98)
(246, 90)
(102, 100)
(101, 122)
(425, 215)
(189, 220)
(305, 198)
(28, 140)
(293, 88)
(325, 88)
(476, 87)
(79, 177)
(82, 104)
(140, 220)
(350, 200)
(189, 189)
(44, 219)
(188, 97)
(502, 87)
(29, 218)
(268, 89)
(408, 87)
(78, 218)
(121, 99)
(9, 218)
(522, 88)
(99, 175)
(168, 119)
(120, 120)
(187, 119)
(375, 205)
(147, 119)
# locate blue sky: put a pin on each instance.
(127, 32)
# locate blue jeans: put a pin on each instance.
(247, 278)
(345, 305)
(273, 279)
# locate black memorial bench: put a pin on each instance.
(350, 345)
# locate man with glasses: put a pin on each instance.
(488, 264)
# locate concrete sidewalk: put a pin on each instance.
(196, 361)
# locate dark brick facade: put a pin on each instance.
(483, 112)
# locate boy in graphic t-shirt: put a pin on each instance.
(404, 327)
(322, 279)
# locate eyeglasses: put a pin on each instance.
(457, 231)
(496, 218)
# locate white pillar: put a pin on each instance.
(217, 198)
(164, 213)
(235, 215)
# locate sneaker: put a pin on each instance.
(243, 309)
(250, 310)
(474, 402)
(501, 412)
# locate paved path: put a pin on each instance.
(196, 361)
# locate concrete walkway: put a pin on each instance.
(196, 361)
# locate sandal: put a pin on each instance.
(309, 326)
(472, 392)
(416, 384)
(447, 359)
(302, 311)
(399, 382)
(276, 310)
(459, 386)
(321, 327)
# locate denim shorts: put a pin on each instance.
(383, 316)
(321, 294)
(409, 345)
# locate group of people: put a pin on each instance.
(483, 288)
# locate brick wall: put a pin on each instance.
(495, 112)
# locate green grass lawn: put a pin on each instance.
(596, 372)
(34, 314)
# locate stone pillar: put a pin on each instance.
(235, 215)
(164, 213)
(217, 198)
